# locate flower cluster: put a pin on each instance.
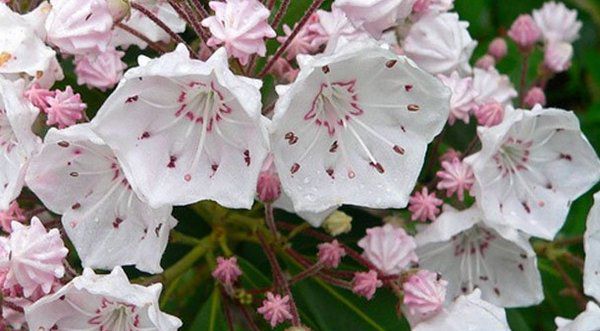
(369, 90)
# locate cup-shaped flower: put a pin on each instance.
(440, 44)
(470, 254)
(77, 175)
(354, 126)
(101, 302)
(17, 142)
(463, 96)
(491, 86)
(531, 167)
(186, 130)
(467, 312)
(34, 258)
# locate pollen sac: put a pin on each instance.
(354, 128)
(188, 131)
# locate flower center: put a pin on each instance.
(116, 316)
(513, 156)
(335, 104)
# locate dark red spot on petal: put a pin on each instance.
(330, 173)
(408, 88)
(391, 63)
(325, 69)
(333, 147)
(132, 99)
(399, 150)
(413, 107)
(63, 144)
(145, 135)
(247, 157)
(172, 160)
(75, 206)
(117, 222)
(295, 168)
(377, 167)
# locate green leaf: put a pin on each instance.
(210, 317)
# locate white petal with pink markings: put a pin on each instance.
(354, 127)
(187, 130)
(78, 176)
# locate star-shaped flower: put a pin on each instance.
(354, 126)
(469, 254)
(531, 167)
(186, 130)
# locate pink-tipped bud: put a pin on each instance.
(525, 32)
(366, 283)
(330, 254)
(424, 205)
(227, 271)
(119, 9)
(424, 294)
(275, 309)
(489, 114)
(498, 48)
(534, 97)
(268, 187)
(64, 108)
(557, 56)
(485, 62)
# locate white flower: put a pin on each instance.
(187, 130)
(463, 96)
(531, 167)
(353, 128)
(22, 49)
(141, 22)
(375, 15)
(77, 175)
(440, 44)
(467, 313)
(17, 142)
(101, 302)
(470, 254)
(331, 26)
(589, 320)
(557, 22)
(314, 218)
(591, 244)
(491, 86)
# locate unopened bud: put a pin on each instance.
(119, 9)
(337, 223)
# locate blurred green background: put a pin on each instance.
(194, 298)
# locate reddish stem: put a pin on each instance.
(313, 7)
(280, 14)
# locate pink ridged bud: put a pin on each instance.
(485, 62)
(535, 96)
(498, 48)
(525, 32)
(489, 114)
(424, 294)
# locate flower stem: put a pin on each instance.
(523, 80)
(279, 277)
(176, 270)
(313, 7)
(280, 14)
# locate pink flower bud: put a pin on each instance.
(524, 31)
(424, 205)
(485, 62)
(330, 254)
(421, 6)
(489, 114)
(389, 248)
(102, 69)
(366, 283)
(457, 177)
(498, 48)
(227, 271)
(535, 96)
(275, 309)
(64, 108)
(557, 56)
(424, 294)
(268, 187)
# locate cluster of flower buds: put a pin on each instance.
(366, 87)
